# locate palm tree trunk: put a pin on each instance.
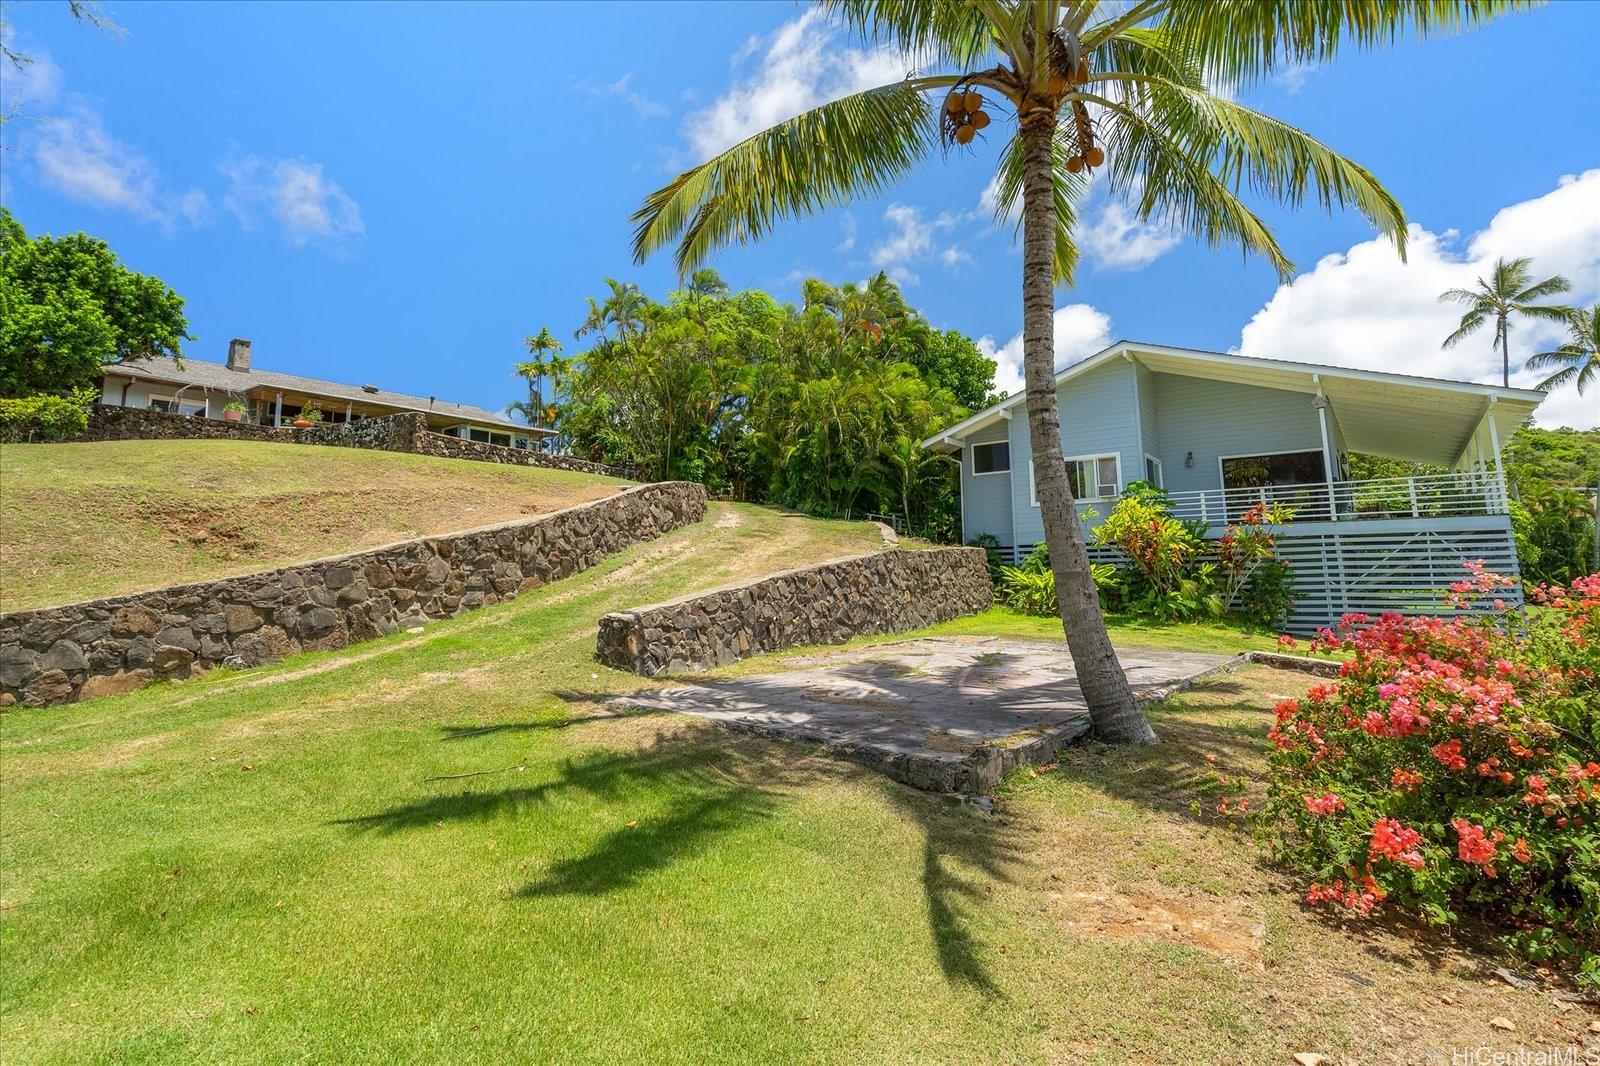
(1113, 713)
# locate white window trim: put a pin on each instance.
(1033, 486)
(1161, 471)
(972, 458)
(1222, 481)
(172, 398)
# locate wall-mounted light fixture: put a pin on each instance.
(1188, 460)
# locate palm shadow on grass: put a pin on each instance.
(716, 784)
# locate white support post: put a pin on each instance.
(1499, 470)
(347, 408)
(1321, 404)
(277, 411)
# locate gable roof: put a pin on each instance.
(203, 373)
(1430, 420)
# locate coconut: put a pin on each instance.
(952, 103)
(979, 119)
(964, 134)
(972, 102)
(1074, 165)
(1094, 156)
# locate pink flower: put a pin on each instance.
(1393, 841)
(1324, 805)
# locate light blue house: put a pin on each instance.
(1224, 432)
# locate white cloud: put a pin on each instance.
(307, 205)
(849, 240)
(621, 89)
(1112, 237)
(76, 157)
(1080, 331)
(953, 257)
(909, 242)
(1291, 77)
(36, 81)
(802, 64)
(1365, 308)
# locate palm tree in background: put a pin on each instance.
(546, 361)
(623, 310)
(1578, 356)
(1508, 290)
(1120, 90)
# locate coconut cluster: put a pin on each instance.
(963, 116)
(1065, 75)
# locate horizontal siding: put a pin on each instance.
(1097, 418)
(1213, 418)
(986, 499)
(1149, 422)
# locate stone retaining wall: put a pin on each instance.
(59, 654)
(404, 432)
(830, 603)
(442, 444)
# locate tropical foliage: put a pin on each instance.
(1577, 359)
(821, 407)
(1450, 770)
(69, 309)
(45, 418)
(546, 361)
(1128, 90)
(1508, 290)
(1166, 569)
(1555, 472)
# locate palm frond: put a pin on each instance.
(1545, 312)
(1470, 323)
(852, 147)
(958, 33)
(1554, 285)
(1460, 296)
(1241, 41)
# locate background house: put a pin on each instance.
(201, 388)
(1223, 432)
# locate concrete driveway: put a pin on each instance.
(947, 715)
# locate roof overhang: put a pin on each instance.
(1428, 420)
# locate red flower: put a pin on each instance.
(1393, 841)
(1449, 753)
(1519, 850)
(1476, 846)
(1404, 780)
(1324, 805)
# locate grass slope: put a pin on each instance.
(444, 848)
(80, 521)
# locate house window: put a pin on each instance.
(172, 405)
(991, 458)
(1092, 477)
(1152, 471)
(484, 436)
(1281, 468)
(520, 443)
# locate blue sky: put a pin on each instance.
(399, 194)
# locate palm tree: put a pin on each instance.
(624, 308)
(1122, 87)
(1578, 356)
(1508, 290)
(545, 349)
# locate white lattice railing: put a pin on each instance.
(1421, 496)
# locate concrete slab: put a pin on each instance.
(947, 715)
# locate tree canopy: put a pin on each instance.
(820, 407)
(69, 309)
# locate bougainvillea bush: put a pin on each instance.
(1453, 770)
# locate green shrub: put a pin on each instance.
(45, 418)
(1451, 770)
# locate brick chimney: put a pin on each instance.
(239, 355)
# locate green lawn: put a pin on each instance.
(80, 521)
(291, 864)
